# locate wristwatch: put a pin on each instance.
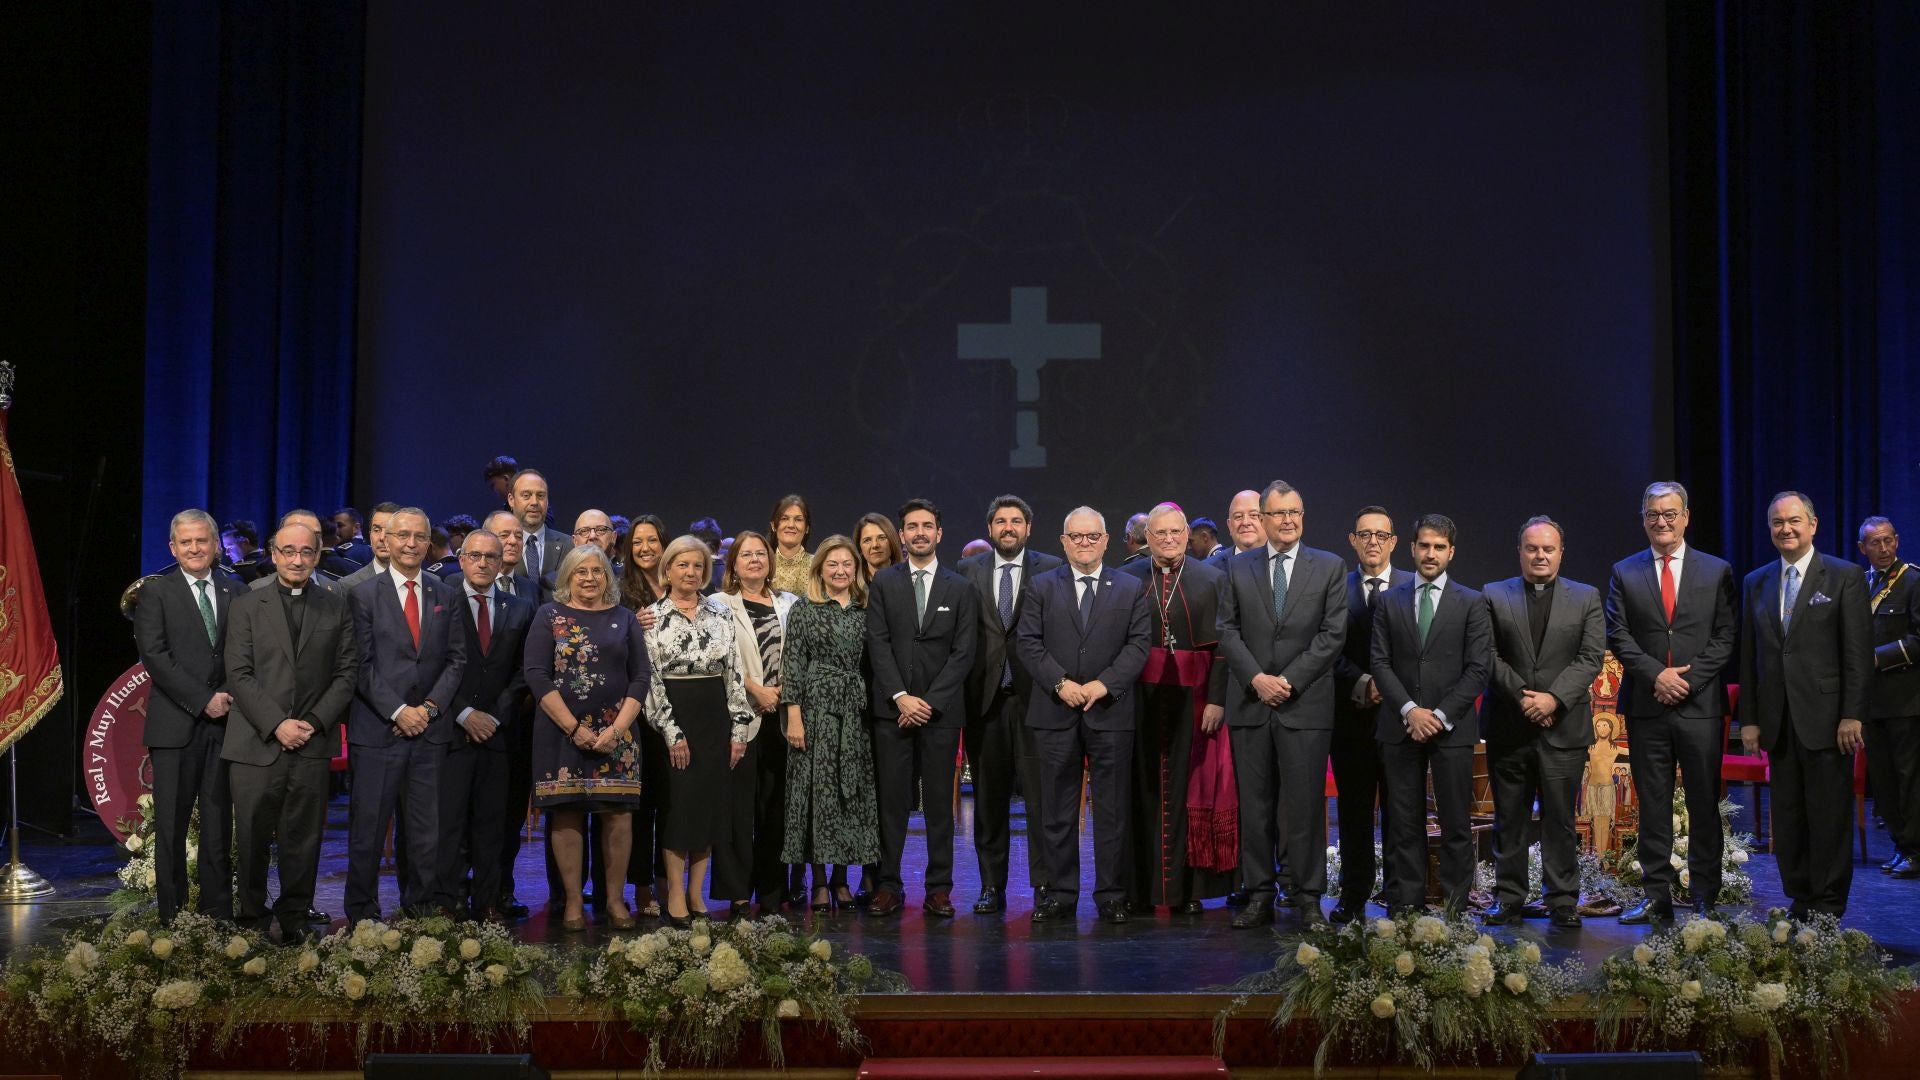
(1058, 685)
(433, 711)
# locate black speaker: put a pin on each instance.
(453, 1067)
(1683, 1065)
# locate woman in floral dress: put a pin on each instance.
(832, 814)
(586, 664)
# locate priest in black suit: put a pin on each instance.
(291, 661)
(999, 745)
(1549, 640)
(1183, 822)
(1083, 637)
(922, 624)
(492, 700)
(1356, 705)
(1283, 620)
(1670, 623)
(1432, 652)
(180, 626)
(1806, 681)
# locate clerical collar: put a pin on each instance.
(1541, 586)
(288, 590)
(1178, 561)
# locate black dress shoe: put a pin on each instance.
(1344, 913)
(1193, 907)
(1051, 910)
(1251, 916)
(1310, 914)
(1114, 911)
(1564, 918)
(1237, 898)
(1535, 910)
(319, 917)
(1282, 898)
(1906, 870)
(1887, 867)
(862, 898)
(1501, 915)
(990, 902)
(514, 909)
(1647, 911)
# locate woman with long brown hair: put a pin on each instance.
(791, 526)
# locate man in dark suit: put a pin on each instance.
(491, 701)
(180, 627)
(413, 650)
(922, 623)
(1670, 623)
(1549, 640)
(291, 661)
(513, 581)
(1356, 703)
(378, 562)
(1245, 528)
(1806, 680)
(1083, 637)
(1283, 619)
(545, 546)
(320, 577)
(1432, 650)
(1893, 715)
(999, 745)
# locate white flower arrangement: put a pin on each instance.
(1736, 886)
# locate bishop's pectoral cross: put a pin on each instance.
(1028, 341)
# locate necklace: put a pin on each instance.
(1172, 586)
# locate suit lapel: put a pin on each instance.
(1650, 568)
(1516, 601)
(276, 617)
(1769, 613)
(391, 601)
(1816, 576)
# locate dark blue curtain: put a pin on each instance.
(1796, 230)
(254, 189)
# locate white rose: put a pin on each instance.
(237, 947)
(308, 961)
(1680, 845)
(1781, 931)
(255, 966)
(1305, 955)
(391, 939)
(1531, 951)
(1770, 996)
(1385, 928)
(821, 950)
(354, 986)
(469, 949)
(147, 876)
(497, 974)
(1643, 954)
(1690, 990)
(138, 938)
(1383, 1006)
(178, 994)
(1679, 824)
(1635, 865)
(788, 1009)
(163, 947)
(1676, 861)
(426, 952)
(1739, 857)
(134, 843)
(1686, 878)
(82, 957)
(193, 853)
(1477, 951)
(1515, 982)
(1428, 930)
(700, 943)
(1403, 964)
(1485, 941)
(1332, 852)
(1806, 936)
(145, 801)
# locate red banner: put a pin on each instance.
(29, 659)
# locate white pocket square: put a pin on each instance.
(941, 608)
(1819, 598)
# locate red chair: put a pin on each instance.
(1860, 799)
(1748, 769)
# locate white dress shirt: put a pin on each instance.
(1673, 568)
(1439, 589)
(400, 594)
(1801, 566)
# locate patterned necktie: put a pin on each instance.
(920, 596)
(533, 557)
(1280, 586)
(1426, 609)
(485, 620)
(1792, 594)
(1086, 599)
(412, 608)
(206, 613)
(1006, 619)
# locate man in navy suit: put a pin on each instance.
(1283, 620)
(1432, 653)
(545, 545)
(1670, 623)
(1084, 634)
(1356, 704)
(413, 650)
(1806, 681)
(491, 702)
(180, 626)
(922, 623)
(999, 744)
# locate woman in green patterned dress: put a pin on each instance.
(832, 815)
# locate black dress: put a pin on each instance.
(699, 695)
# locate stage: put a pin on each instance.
(978, 986)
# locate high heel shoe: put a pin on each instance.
(574, 923)
(624, 921)
(823, 901)
(843, 898)
(740, 910)
(677, 922)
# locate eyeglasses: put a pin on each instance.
(1656, 517)
(1284, 515)
(480, 556)
(297, 553)
(1167, 534)
(1085, 537)
(593, 530)
(403, 537)
(1372, 536)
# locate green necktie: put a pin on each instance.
(206, 613)
(920, 596)
(1426, 609)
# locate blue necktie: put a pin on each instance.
(1793, 593)
(1006, 619)
(1280, 586)
(1086, 600)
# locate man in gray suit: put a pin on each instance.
(1806, 682)
(180, 626)
(377, 524)
(545, 546)
(1548, 641)
(291, 663)
(1283, 619)
(1083, 638)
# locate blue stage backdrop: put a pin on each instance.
(686, 259)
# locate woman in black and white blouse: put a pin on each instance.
(698, 702)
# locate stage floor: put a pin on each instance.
(970, 954)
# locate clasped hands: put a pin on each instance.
(1422, 724)
(1670, 686)
(681, 756)
(292, 733)
(600, 742)
(1272, 690)
(1082, 696)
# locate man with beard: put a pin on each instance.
(1893, 717)
(1183, 821)
(999, 746)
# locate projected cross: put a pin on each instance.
(1028, 340)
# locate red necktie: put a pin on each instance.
(412, 608)
(486, 624)
(1666, 598)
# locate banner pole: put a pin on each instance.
(19, 884)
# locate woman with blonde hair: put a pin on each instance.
(832, 813)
